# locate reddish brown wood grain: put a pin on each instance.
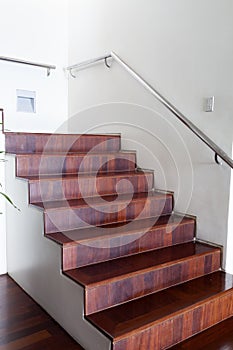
(24, 325)
(79, 186)
(13, 298)
(16, 142)
(147, 284)
(59, 164)
(134, 276)
(89, 246)
(218, 337)
(70, 214)
(162, 319)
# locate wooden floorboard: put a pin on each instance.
(25, 325)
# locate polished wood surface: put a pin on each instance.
(79, 186)
(147, 284)
(163, 319)
(26, 333)
(219, 337)
(134, 276)
(25, 326)
(167, 223)
(96, 244)
(51, 164)
(16, 142)
(79, 213)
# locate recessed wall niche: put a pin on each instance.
(26, 101)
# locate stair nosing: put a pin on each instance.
(127, 233)
(141, 271)
(150, 194)
(89, 175)
(19, 133)
(73, 154)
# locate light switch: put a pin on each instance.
(209, 104)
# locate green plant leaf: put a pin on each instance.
(9, 200)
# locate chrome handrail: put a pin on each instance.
(200, 134)
(16, 60)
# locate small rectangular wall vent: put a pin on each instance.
(26, 101)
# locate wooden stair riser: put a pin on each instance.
(99, 250)
(150, 321)
(70, 218)
(218, 336)
(39, 165)
(134, 295)
(81, 187)
(37, 143)
(146, 282)
(180, 326)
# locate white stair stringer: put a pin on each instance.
(34, 262)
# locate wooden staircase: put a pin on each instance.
(148, 283)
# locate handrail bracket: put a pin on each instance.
(216, 158)
(106, 62)
(85, 64)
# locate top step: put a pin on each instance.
(17, 142)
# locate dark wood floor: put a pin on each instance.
(24, 325)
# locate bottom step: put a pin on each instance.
(163, 319)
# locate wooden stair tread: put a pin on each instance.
(132, 277)
(65, 177)
(39, 134)
(83, 186)
(107, 209)
(19, 142)
(118, 229)
(147, 283)
(121, 268)
(73, 154)
(82, 247)
(73, 163)
(70, 153)
(95, 201)
(127, 319)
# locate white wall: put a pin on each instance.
(35, 31)
(184, 48)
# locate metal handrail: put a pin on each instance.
(16, 60)
(200, 134)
